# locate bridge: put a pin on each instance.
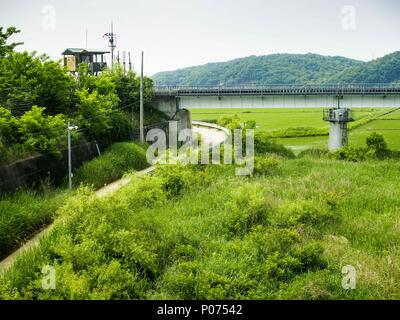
(170, 99)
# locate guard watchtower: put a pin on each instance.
(339, 118)
(94, 58)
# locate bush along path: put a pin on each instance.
(26, 212)
(102, 192)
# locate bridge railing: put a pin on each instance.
(367, 89)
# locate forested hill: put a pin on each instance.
(383, 70)
(286, 69)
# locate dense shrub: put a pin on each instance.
(268, 165)
(251, 124)
(350, 153)
(283, 267)
(376, 149)
(230, 122)
(284, 255)
(246, 208)
(298, 132)
(298, 212)
(145, 193)
(112, 164)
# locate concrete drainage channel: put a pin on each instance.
(211, 134)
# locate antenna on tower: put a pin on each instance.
(112, 42)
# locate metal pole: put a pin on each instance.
(69, 157)
(112, 45)
(141, 101)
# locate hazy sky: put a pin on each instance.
(180, 33)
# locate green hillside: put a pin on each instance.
(286, 69)
(383, 70)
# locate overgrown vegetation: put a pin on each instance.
(25, 212)
(199, 232)
(37, 96)
(112, 164)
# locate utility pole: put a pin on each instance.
(70, 128)
(141, 101)
(124, 60)
(112, 42)
(130, 61)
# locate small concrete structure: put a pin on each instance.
(338, 134)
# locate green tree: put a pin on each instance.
(4, 36)
(8, 127)
(94, 112)
(27, 80)
(41, 133)
(376, 142)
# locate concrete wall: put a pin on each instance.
(286, 102)
(31, 171)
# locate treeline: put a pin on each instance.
(38, 97)
(295, 69)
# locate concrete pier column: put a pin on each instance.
(335, 136)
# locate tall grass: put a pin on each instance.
(26, 212)
(112, 164)
(284, 235)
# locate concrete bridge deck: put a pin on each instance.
(171, 99)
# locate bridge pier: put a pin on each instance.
(167, 104)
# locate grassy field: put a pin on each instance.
(202, 233)
(276, 119)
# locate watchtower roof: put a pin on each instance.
(72, 51)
